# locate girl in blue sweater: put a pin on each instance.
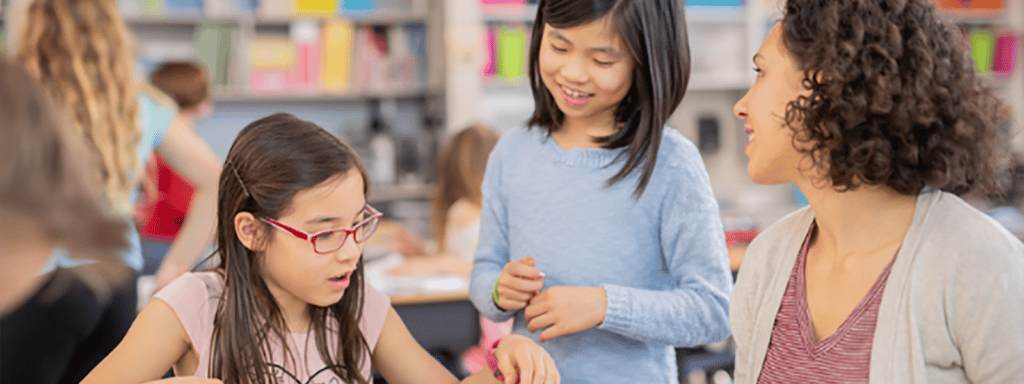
(599, 231)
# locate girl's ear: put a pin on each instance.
(247, 229)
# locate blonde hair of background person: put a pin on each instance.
(455, 208)
(50, 192)
(81, 50)
(460, 173)
(456, 201)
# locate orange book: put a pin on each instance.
(970, 4)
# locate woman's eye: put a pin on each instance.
(327, 236)
(758, 70)
(604, 63)
(559, 49)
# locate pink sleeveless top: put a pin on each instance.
(842, 357)
(194, 298)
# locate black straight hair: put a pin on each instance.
(654, 33)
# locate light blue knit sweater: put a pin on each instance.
(662, 258)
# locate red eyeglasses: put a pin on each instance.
(331, 240)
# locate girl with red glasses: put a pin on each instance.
(287, 301)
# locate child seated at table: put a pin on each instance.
(287, 300)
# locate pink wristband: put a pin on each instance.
(492, 362)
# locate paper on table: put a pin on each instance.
(376, 275)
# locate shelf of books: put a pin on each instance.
(292, 50)
(992, 32)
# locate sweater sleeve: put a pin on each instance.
(692, 244)
(493, 250)
(741, 304)
(987, 312)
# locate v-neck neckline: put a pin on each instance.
(803, 318)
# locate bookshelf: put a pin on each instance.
(264, 56)
(378, 18)
(1004, 21)
(255, 57)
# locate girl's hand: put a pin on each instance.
(524, 361)
(565, 310)
(518, 283)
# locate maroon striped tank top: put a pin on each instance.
(842, 357)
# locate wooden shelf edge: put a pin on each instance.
(425, 298)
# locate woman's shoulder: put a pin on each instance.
(786, 232)
(960, 230)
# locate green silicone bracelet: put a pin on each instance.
(494, 293)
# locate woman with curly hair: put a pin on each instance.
(873, 110)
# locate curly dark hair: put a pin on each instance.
(894, 98)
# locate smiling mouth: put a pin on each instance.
(574, 96)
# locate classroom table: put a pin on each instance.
(440, 321)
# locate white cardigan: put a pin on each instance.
(952, 310)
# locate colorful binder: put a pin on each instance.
(982, 43)
(511, 56)
(338, 37)
(1005, 56)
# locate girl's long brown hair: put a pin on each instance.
(270, 161)
(82, 52)
(460, 174)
